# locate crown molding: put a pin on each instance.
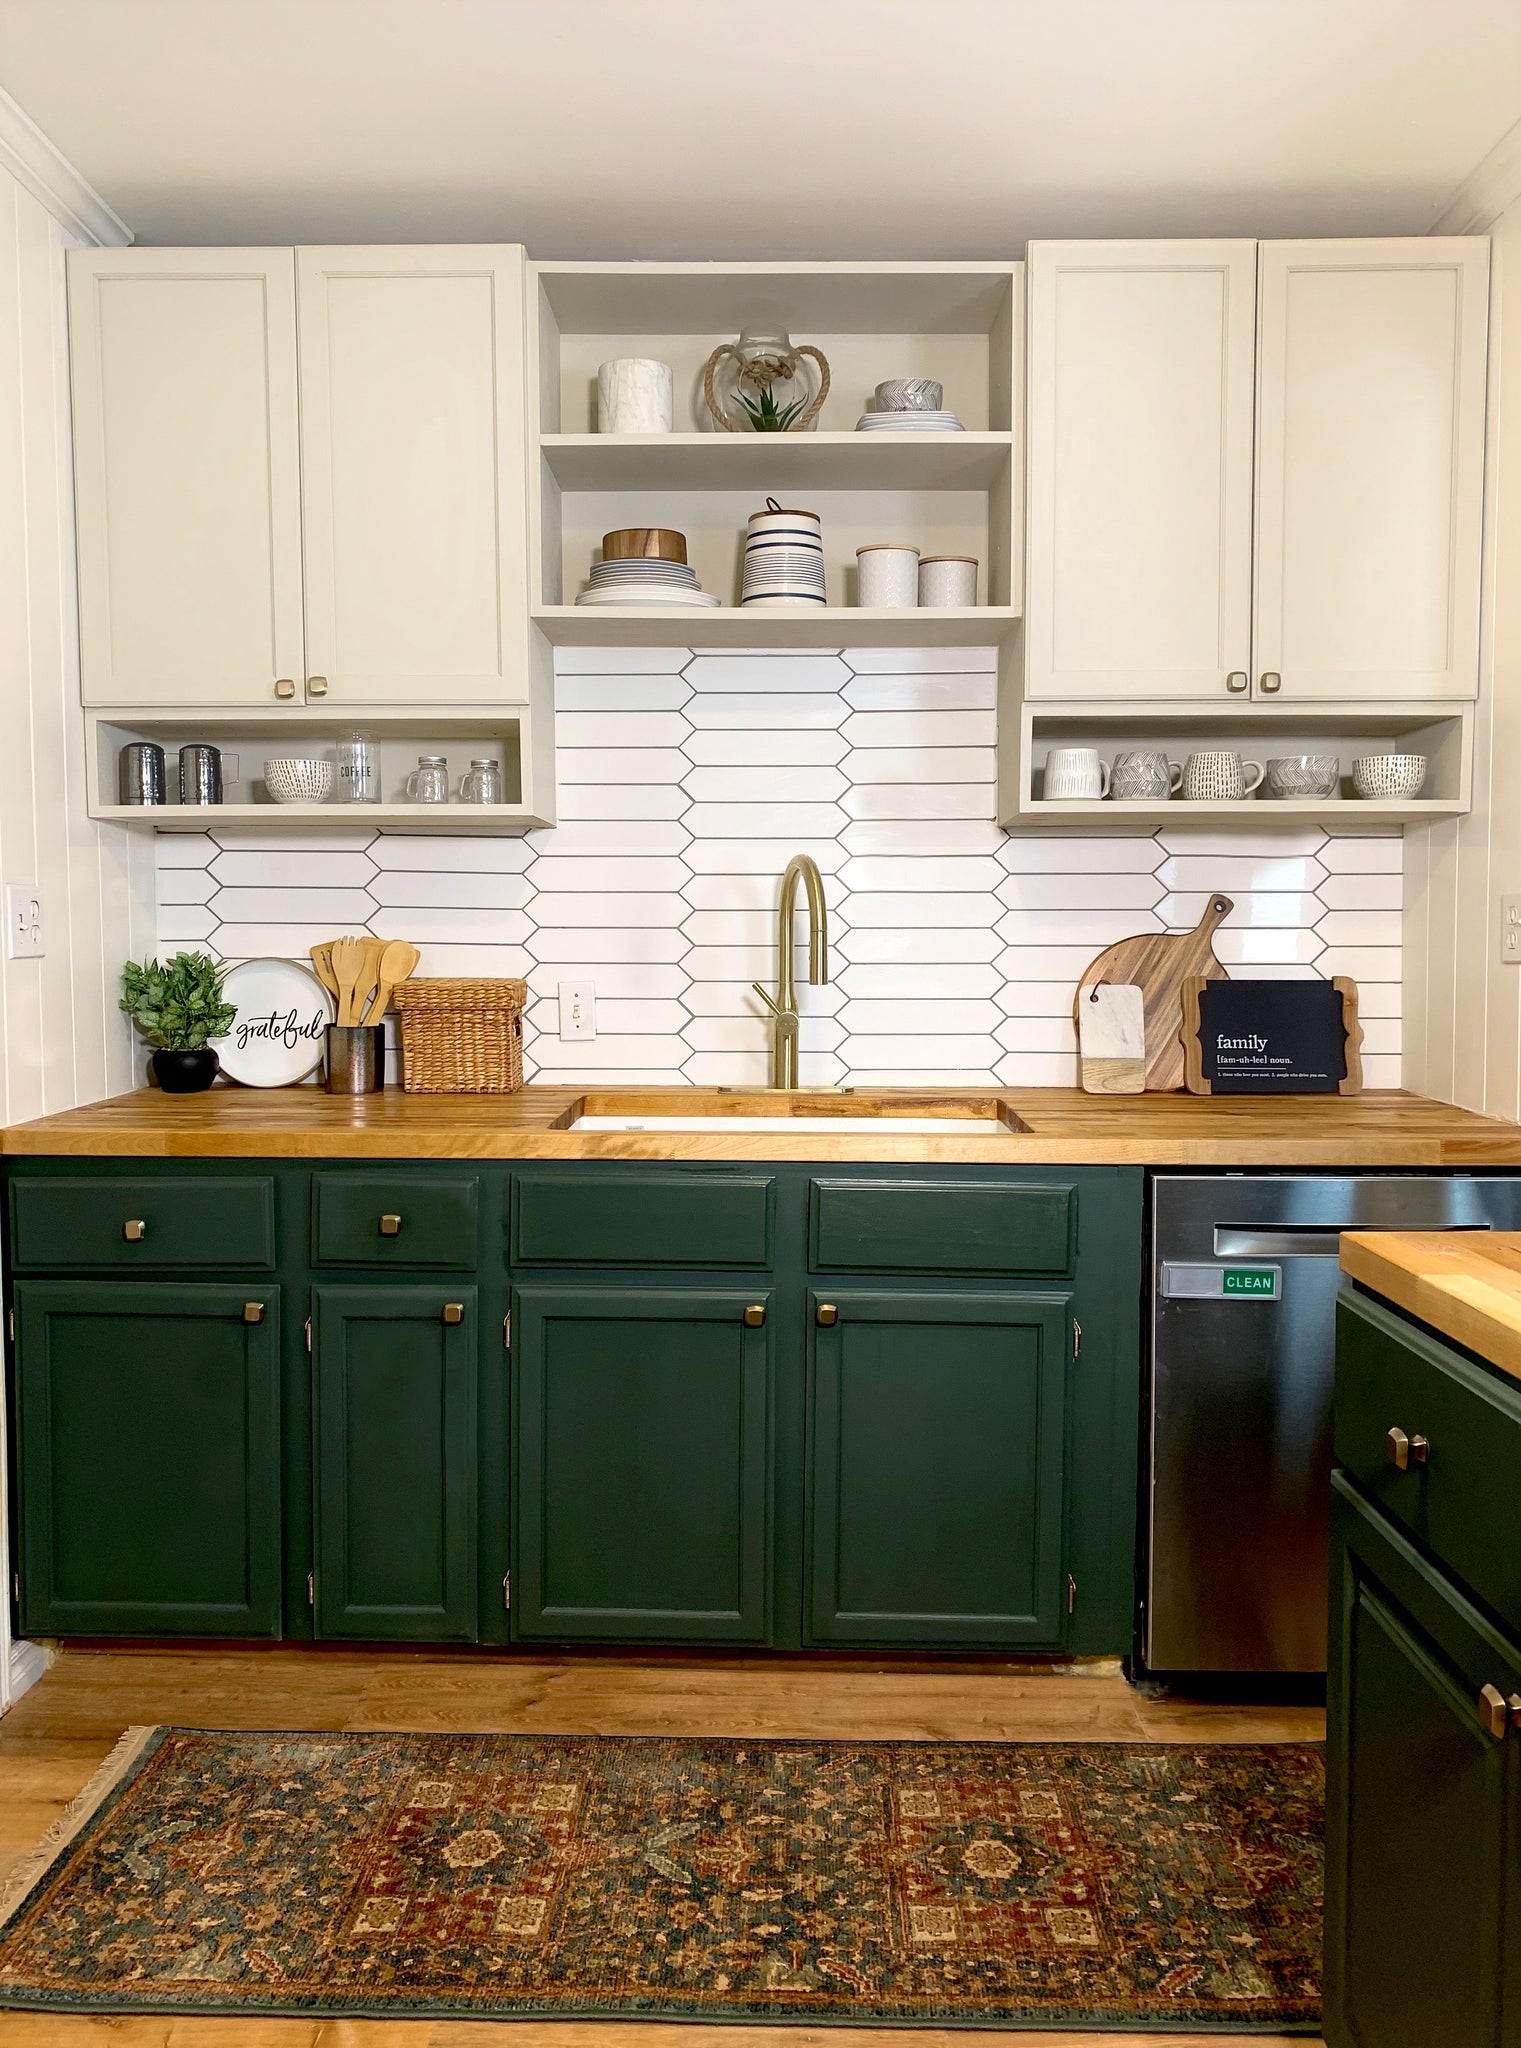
(49, 176)
(1489, 188)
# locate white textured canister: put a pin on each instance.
(948, 582)
(634, 396)
(887, 578)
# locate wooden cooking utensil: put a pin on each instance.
(347, 956)
(1159, 963)
(322, 961)
(396, 964)
(366, 980)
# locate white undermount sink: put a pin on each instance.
(883, 1126)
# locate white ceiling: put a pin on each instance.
(753, 128)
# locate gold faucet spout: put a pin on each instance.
(783, 1005)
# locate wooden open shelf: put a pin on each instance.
(835, 626)
(773, 462)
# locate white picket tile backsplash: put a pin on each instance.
(686, 784)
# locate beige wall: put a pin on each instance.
(1462, 1006)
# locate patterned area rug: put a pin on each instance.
(1118, 1885)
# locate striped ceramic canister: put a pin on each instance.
(784, 558)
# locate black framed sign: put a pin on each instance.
(1271, 1037)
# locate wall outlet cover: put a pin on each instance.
(23, 921)
(578, 1010)
(1510, 930)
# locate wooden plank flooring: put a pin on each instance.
(58, 1733)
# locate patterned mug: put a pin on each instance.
(1143, 777)
(1215, 776)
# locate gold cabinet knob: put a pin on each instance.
(454, 1312)
(1494, 1711)
(826, 1315)
(755, 1315)
(390, 1226)
(253, 1311)
(134, 1230)
(1404, 1451)
(285, 689)
(316, 686)
(1272, 682)
(1238, 682)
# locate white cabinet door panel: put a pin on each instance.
(1140, 469)
(186, 462)
(1370, 466)
(413, 472)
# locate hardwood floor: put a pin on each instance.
(58, 1733)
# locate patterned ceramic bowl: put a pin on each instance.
(1389, 775)
(909, 394)
(299, 781)
(1303, 775)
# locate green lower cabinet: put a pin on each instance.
(936, 1439)
(395, 1373)
(1423, 1821)
(148, 1434)
(642, 1458)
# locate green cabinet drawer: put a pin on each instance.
(395, 1219)
(120, 1224)
(1462, 1500)
(604, 1218)
(1002, 1228)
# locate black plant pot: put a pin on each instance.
(185, 1073)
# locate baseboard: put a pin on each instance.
(28, 1661)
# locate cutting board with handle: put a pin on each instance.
(1158, 964)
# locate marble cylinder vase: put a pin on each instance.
(634, 396)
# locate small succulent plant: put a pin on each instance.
(177, 1004)
(765, 415)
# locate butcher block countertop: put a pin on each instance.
(1038, 1126)
(1467, 1284)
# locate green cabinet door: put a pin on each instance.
(936, 1441)
(1423, 1818)
(642, 1464)
(148, 1430)
(395, 1372)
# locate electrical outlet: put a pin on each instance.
(1510, 930)
(578, 1009)
(23, 921)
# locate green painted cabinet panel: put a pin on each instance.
(1423, 1821)
(986, 1228)
(642, 1434)
(680, 1217)
(130, 1224)
(394, 1420)
(936, 1438)
(395, 1218)
(148, 1426)
(1463, 1503)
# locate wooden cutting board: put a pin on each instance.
(1158, 963)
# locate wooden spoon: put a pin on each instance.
(322, 960)
(371, 951)
(396, 964)
(347, 956)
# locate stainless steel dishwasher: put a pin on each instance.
(1244, 1276)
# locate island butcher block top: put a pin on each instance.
(1466, 1284)
(1037, 1126)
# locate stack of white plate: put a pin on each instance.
(909, 423)
(644, 580)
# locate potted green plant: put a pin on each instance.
(177, 1005)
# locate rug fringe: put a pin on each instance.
(23, 1878)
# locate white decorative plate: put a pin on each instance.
(277, 1036)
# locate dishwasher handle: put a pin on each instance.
(1298, 1240)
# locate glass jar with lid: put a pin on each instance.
(429, 781)
(357, 768)
(482, 783)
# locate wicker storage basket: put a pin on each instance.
(461, 1037)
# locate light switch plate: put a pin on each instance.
(1510, 930)
(23, 921)
(578, 1009)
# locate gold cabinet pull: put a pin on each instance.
(1494, 1712)
(1404, 1451)
(390, 1226)
(454, 1311)
(316, 686)
(285, 689)
(826, 1315)
(1272, 682)
(134, 1230)
(253, 1311)
(755, 1315)
(1238, 682)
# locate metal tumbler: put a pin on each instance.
(200, 774)
(140, 766)
(356, 1059)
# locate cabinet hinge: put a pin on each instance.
(308, 1333)
(1077, 1338)
(311, 1589)
(507, 1331)
(507, 1591)
(1071, 1594)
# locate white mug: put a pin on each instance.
(1215, 776)
(1073, 773)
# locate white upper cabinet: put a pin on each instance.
(1370, 467)
(412, 473)
(188, 495)
(1140, 469)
